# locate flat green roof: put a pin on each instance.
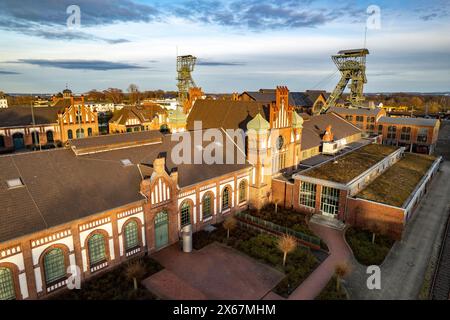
(351, 165)
(396, 184)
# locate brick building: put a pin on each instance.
(365, 119)
(146, 117)
(67, 118)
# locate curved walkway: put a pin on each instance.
(339, 252)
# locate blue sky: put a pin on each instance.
(241, 44)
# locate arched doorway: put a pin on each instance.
(50, 138)
(18, 141)
(161, 229)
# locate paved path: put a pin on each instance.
(404, 268)
(339, 253)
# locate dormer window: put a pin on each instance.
(126, 162)
(14, 183)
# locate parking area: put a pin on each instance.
(214, 272)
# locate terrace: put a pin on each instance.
(397, 183)
(349, 166)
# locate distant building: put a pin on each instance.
(138, 118)
(103, 106)
(365, 119)
(168, 104)
(67, 118)
(3, 103)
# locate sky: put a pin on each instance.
(240, 44)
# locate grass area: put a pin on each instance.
(352, 164)
(406, 173)
(263, 247)
(366, 252)
(330, 292)
(284, 217)
(113, 285)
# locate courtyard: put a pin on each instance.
(213, 272)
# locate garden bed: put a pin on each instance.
(366, 252)
(263, 247)
(330, 292)
(113, 285)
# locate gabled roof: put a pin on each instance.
(409, 121)
(21, 116)
(144, 113)
(226, 114)
(359, 111)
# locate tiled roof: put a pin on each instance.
(360, 111)
(144, 113)
(409, 121)
(21, 116)
(61, 187)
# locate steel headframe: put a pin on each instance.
(352, 65)
(185, 67)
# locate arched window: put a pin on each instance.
(206, 206)
(49, 136)
(90, 132)
(242, 191)
(131, 235)
(2, 141)
(97, 249)
(69, 134)
(226, 198)
(7, 291)
(185, 214)
(35, 137)
(80, 133)
(54, 266)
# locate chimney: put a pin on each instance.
(159, 164)
(174, 176)
(328, 136)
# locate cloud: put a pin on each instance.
(96, 65)
(48, 18)
(429, 17)
(8, 72)
(201, 62)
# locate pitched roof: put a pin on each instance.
(297, 99)
(60, 186)
(225, 114)
(358, 111)
(21, 116)
(409, 121)
(144, 113)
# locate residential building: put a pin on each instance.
(3, 102)
(138, 118)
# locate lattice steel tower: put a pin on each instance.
(185, 67)
(352, 65)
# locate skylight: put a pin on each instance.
(126, 162)
(14, 183)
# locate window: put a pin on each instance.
(349, 118)
(380, 129)
(329, 200)
(226, 198)
(126, 162)
(370, 128)
(80, 133)
(392, 132)
(206, 206)
(371, 119)
(54, 266)
(422, 135)
(35, 137)
(185, 214)
(131, 235)
(7, 291)
(308, 194)
(405, 134)
(49, 136)
(136, 129)
(242, 191)
(90, 132)
(2, 141)
(69, 134)
(14, 183)
(97, 249)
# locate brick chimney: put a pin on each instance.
(328, 136)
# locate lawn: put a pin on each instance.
(263, 247)
(113, 285)
(284, 217)
(366, 252)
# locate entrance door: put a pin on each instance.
(18, 141)
(161, 230)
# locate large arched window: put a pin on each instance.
(206, 206)
(226, 198)
(49, 136)
(242, 191)
(185, 214)
(90, 132)
(80, 133)
(7, 290)
(97, 249)
(69, 134)
(131, 235)
(54, 266)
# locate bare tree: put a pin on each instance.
(286, 244)
(229, 224)
(340, 271)
(135, 271)
(376, 227)
(133, 93)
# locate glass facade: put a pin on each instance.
(308, 194)
(329, 202)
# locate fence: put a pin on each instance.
(248, 219)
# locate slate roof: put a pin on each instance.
(60, 187)
(409, 121)
(297, 99)
(21, 116)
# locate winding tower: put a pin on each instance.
(185, 67)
